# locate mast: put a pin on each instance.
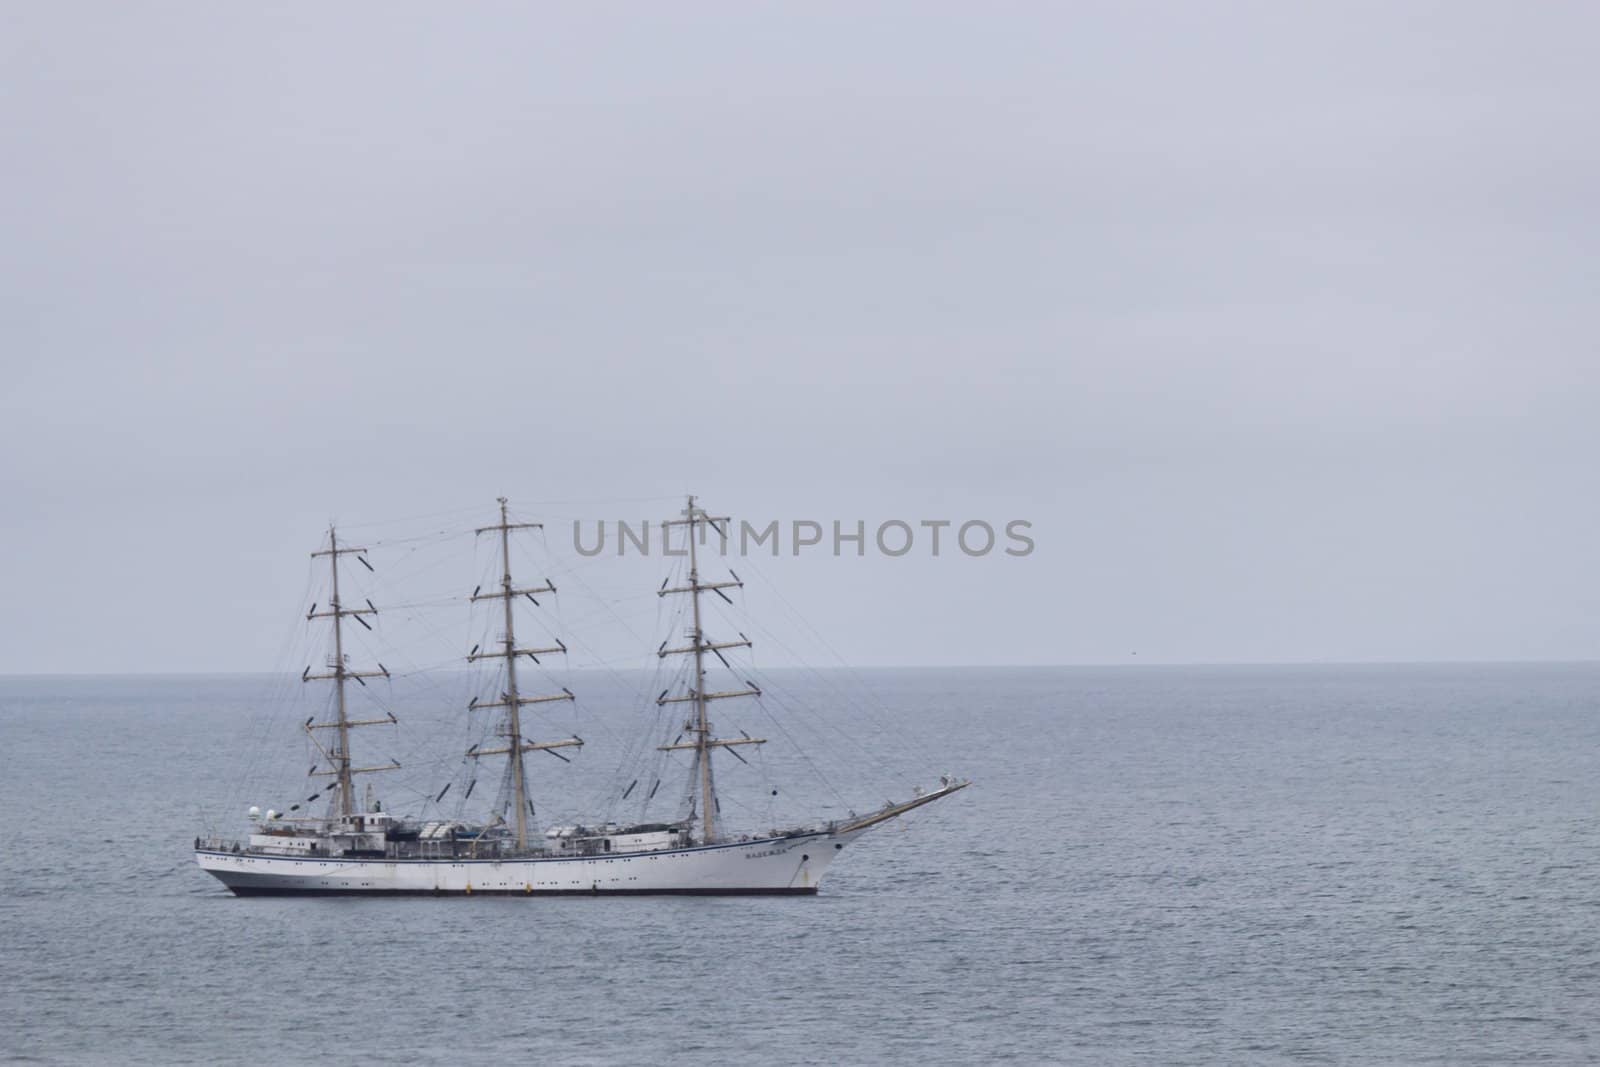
(512, 699)
(346, 785)
(700, 725)
(339, 756)
(519, 772)
(702, 730)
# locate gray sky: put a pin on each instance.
(1277, 321)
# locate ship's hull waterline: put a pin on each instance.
(785, 865)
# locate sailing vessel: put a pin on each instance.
(356, 847)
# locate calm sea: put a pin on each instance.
(1345, 865)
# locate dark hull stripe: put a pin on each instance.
(259, 891)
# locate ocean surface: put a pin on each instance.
(1344, 865)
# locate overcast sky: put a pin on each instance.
(1277, 321)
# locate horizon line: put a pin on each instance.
(894, 667)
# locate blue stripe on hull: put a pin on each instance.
(278, 891)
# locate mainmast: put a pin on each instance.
(339, 756)
(700, 725)
(512, 699)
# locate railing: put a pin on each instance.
(468, 848)
(218, 844)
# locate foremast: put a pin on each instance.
(512, 699)
(338, 756)
(700, 726)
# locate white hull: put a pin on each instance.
(771, 865)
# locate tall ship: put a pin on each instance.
(354, 845)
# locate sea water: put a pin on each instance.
(1328, 864)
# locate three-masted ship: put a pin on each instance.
(357, 847)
